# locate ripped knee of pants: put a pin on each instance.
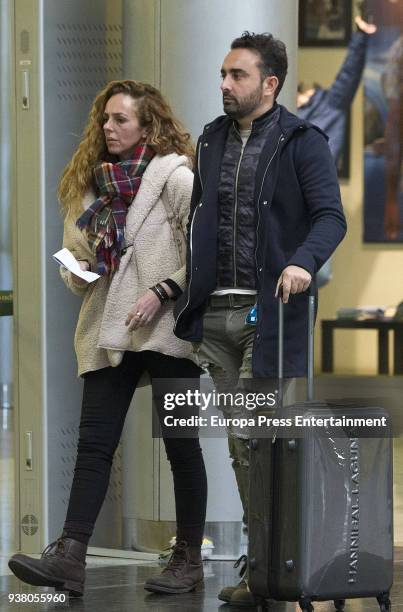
(239, 451)
(224, 381)
(245, 371)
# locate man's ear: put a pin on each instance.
(270, 85)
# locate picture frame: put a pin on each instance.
(383, 137)
(324, 23)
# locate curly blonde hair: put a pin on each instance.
(164, 133)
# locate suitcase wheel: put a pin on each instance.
(384, 602)
(306, 605)
(339, 604)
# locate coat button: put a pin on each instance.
(205, 144)
(265, 203)
(201, 204)
(257, 336)
(260, 269)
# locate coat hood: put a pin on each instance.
(161, 167)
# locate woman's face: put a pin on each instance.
(121, 126)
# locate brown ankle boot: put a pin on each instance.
(227, 592)
(62, 565)
(183, 573)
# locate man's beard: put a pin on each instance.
(238, 109)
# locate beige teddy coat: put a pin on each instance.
(154, 253)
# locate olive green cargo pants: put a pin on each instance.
(226, 354)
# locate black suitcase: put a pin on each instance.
(320, 509)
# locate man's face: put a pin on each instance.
(242, 87)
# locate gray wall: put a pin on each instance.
(82, 52)
(7, 192)
(70, 50)
(179, 45)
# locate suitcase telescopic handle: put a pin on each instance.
(311, 322)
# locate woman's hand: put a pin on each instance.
(143, 311)
(85, 266)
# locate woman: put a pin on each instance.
(125, 196)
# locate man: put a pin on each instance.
(328, 108)
(265, 213)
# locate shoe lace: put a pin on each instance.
(177, 560)
(54, 548)
(244, 560)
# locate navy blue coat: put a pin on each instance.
(300, 221)
(328, 108)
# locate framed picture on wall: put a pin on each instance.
(324, 23)
(383, 126)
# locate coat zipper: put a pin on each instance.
(258, 200)
(190, 242)
(191, 268)
(236, 209)
(198, 166)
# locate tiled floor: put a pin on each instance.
(120, 589)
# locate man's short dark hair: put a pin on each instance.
(272, 52)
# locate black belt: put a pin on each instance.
(231, 300)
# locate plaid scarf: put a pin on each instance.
(104, 221)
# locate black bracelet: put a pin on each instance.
(175, 289)
(163, 291)
(159, 294)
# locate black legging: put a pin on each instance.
(106, 399)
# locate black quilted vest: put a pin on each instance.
(236, 212)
